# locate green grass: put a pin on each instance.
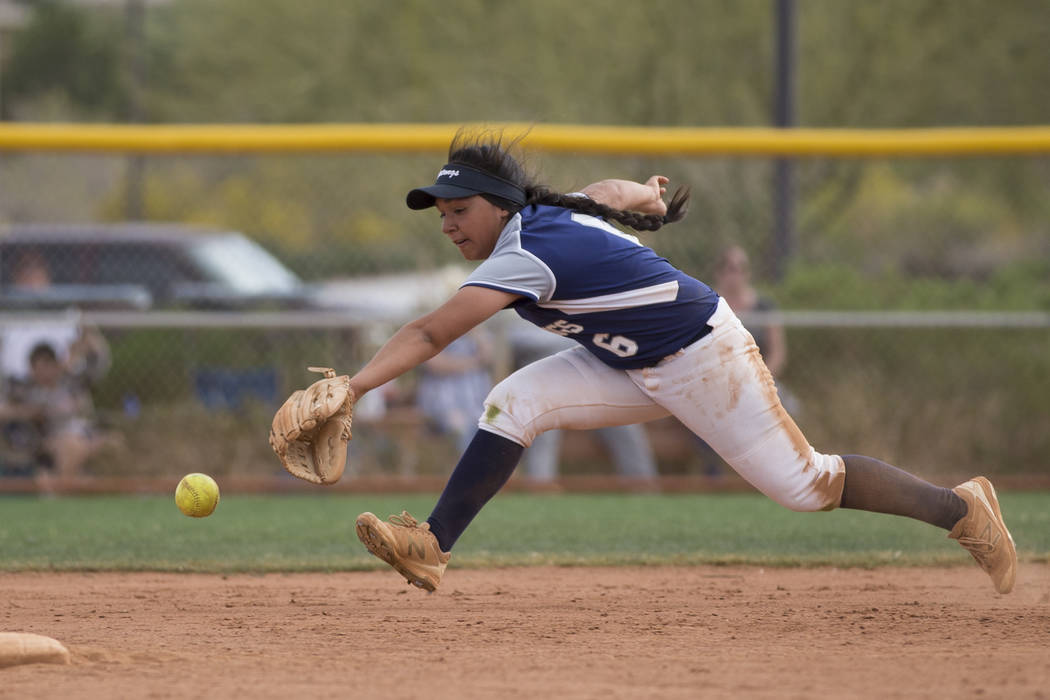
(315, 533)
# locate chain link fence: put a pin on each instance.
(203, 345)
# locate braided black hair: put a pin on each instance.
(486, 151)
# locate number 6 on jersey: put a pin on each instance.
(617, 345)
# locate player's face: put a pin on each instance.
(473, 224)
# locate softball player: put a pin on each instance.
(652, 342)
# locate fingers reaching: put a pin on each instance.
(657, 183)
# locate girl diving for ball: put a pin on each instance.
(652, 342)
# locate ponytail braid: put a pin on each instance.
(486, 151)
(676, 208)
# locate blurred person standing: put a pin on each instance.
(453, 385)
(732, 281)
(627, 445)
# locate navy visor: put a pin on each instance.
(455, 181)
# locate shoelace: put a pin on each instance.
(418, 534)
(404, 520)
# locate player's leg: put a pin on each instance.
(878, 487)
(568, 390)
(721, 389)
(970, 511)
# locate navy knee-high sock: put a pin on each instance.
(484, 468)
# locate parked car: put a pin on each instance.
(140, 266)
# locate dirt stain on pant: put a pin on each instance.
(828, 483)
(735, 381)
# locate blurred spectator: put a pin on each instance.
(48, 366)
(390, 433)
(83, 351)
(32, 276)
(627, 445)
(49, 417)
(31, 272)
(20, 450)
(453, 385)
(732, 281)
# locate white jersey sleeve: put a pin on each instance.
(510, 268)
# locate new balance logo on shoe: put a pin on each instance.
(407, 545)
(415, 549)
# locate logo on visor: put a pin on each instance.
(449, 173)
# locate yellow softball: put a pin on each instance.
(197, 495)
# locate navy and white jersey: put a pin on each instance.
(585, 279)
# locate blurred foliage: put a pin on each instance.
(67, 61)
(1019, 286)
(932, 399)
(899, 63)
(902, 233)
(678, 62)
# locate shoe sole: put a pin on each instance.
(374, 543)
(993, 499)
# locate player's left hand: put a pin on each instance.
(311, 430)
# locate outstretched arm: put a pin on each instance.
(646, 198)
(418, 341)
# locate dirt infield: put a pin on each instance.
(660, 632)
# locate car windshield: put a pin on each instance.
(244, 266)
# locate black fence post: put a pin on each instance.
(783, 117)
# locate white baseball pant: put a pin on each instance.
(718, 387)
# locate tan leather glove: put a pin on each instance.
(311, 430)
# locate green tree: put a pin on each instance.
(66, 54)
(896, 63)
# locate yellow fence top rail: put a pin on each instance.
(667, 141)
